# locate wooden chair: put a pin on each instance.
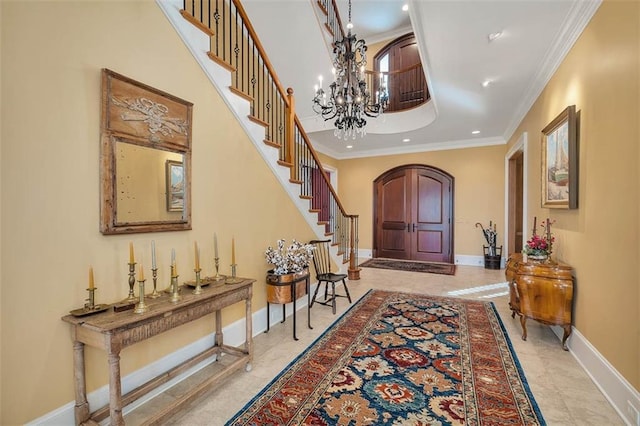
(322, 264)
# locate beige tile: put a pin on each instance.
(564, 392)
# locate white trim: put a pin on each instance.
(615, 388)
(577, 19)
(521, 145)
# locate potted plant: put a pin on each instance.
(539, 247)
(290, 264)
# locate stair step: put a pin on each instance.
(297, 181)
(241, 94)
(285, 164)
(258, 121)
(306, 197)
(272, 143)
(322, 8)
(314, 210)
(328, 28)
(199, 25)
(323, 222)
(220, 62)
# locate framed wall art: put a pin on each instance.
(560, 161)
(175, 186)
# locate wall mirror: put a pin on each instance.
(145, 169)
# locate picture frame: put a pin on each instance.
(560, 161)
(175, 185)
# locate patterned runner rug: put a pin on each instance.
(409, 265)
(402, 359)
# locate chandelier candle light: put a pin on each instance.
(349, 100)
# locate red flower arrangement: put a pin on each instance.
(540, 245)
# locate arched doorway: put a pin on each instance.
(413, 214)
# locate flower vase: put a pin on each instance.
(537, 257)
(279, 288)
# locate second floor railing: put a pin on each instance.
(235, 45)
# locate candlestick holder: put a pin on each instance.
(175, 295)
(132, 281)
(91, 300)
(198, 289)
(233, 279)
(141, 308)
(155, 293)
(169, 289)
(90, 307)
(217, 276)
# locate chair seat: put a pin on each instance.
(331, 277)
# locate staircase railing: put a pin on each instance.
(235, 46)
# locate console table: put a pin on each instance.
(542, 291)
(114, 331)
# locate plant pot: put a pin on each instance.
(279, 286)
(537, 257)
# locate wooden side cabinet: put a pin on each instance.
(542, 291)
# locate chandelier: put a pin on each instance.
(349, 100)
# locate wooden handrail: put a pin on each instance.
(274, 107)
(335, 9)
(258, 44)
(315, 157)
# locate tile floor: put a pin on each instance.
(565, 394)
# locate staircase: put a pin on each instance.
(223, 41)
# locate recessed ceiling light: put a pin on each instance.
(475, 132)
(349, 146)
(406, 140)
(405, 7)
(494, 36)
(486, 83)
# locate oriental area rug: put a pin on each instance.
(412, 266)
(402, 359)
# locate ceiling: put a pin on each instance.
(456, 54)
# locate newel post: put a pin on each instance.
(289, 132)
(354, 271)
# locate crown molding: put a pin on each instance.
(577, 19)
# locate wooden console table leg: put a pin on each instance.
(219, 330)
(523, 322)
(248, 344)
(115, 390)
(567, 332)
(82, 411)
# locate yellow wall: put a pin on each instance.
(479, 190)
(600, 239)
(50, 184)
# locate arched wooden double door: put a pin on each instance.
(413, 214)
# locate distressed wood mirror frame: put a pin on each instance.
(143, 128)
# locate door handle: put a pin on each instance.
(414, 227)
(408, 227)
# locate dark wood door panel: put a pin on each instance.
(413, 214)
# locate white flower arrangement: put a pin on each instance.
(293, 259)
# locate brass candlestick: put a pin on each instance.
(154, 294)
(170, 288)
(132, 281)
(233, 279)
(91, 300)
(175, 295)
(141, 308)
(198, 289)
(217, 277)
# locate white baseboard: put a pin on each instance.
(615, 388)
(459, 259)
